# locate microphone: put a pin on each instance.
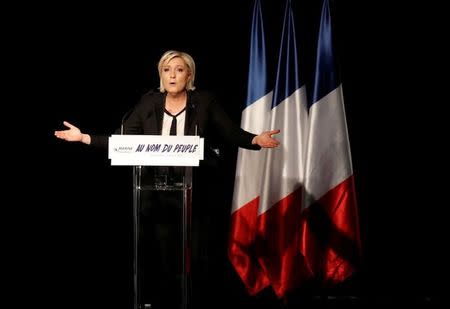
(125, 117)
(193, 109)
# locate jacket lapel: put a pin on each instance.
(159, 113)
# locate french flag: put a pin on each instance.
(268, 194)
(330, 240)
(249, 168)
(283, 174)
(294, 214)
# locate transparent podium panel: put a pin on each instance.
(162, 237)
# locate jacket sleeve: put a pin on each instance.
(99, 141)
(130, 127)
(228, 129)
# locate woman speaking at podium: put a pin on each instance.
(176, 109)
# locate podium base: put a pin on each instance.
(162, 223)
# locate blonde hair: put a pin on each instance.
(188, 60)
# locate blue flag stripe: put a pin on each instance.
(257, 79)
(288, 79)
(326, 78)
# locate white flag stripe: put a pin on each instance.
(255, 118)
(329, 161)
(283, 171)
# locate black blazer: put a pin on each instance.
(202, 110)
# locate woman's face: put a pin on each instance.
(175, 75)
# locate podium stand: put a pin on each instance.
(162, 203)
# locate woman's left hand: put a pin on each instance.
(265, 139)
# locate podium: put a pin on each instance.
(162, 203)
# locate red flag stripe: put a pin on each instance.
(241, 250)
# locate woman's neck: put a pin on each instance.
(175, 102)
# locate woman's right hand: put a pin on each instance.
(72, 134)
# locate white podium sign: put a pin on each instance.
(155, 150)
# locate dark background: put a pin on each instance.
(88, 64)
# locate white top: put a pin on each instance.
(167, 122)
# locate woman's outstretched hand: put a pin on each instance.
(265, 139)
(72, 134)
